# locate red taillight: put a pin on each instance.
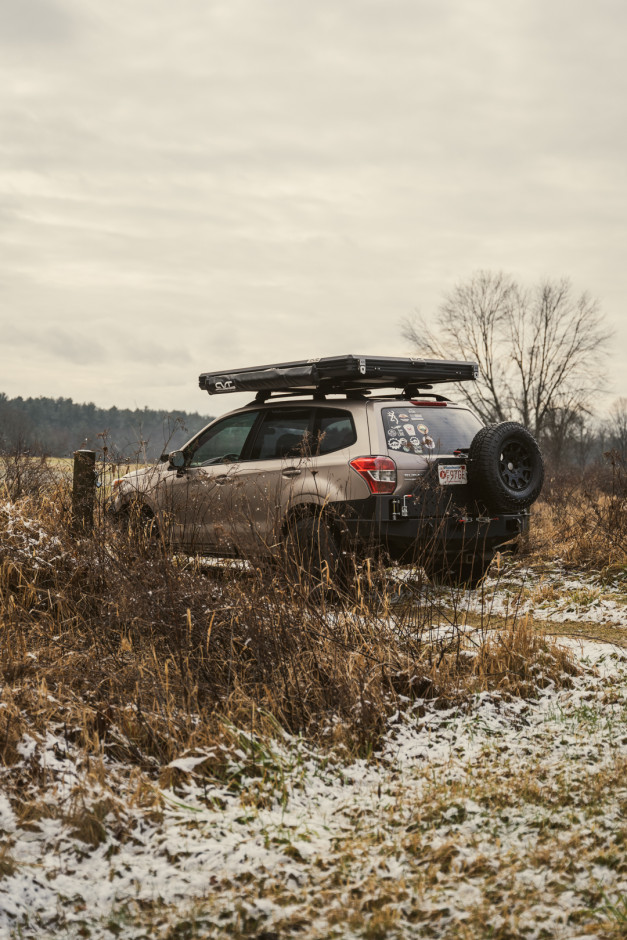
(378, 472)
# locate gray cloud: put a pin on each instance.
(34, 21)
(99, 345)
(233, 182)
(54, 344)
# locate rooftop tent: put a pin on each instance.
(339, 374)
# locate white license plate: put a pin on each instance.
(452, 474)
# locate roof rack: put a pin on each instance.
(339, 374)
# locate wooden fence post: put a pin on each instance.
(84, 490)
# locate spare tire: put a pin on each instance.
(505, 467)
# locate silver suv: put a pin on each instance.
(324, 464)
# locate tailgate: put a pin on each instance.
(442, 490)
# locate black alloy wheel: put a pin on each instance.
(516, 465)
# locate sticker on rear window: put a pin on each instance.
(429, 430)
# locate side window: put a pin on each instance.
(222, 442)
(334, 430)
(284, 433)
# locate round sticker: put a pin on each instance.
(415, 441)
(394, 445)
(404, 417)
(392, 432)
(429, 443)
(423, 429)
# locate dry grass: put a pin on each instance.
(147, 655)
(583, 518)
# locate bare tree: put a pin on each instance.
(470, 323)
(539, 350)
(617, 427)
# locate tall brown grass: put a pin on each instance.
(142, 654)
(581, 518)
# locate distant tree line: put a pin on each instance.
(58, 426)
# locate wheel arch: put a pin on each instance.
(311, 507)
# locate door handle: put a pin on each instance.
(222, 479)
(290, 472)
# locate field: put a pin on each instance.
(198, 750)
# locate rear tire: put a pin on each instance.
(460, 574)
(312, 555)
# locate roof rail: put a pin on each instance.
(316, 394)
(263, 397)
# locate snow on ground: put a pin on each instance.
(502, 818)
(552, 595)
(555, 595)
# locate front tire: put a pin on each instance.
(141, 526)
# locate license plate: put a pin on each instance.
(452, 474)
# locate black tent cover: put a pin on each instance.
(339, 374)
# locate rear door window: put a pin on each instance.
(284, 433)
(428, 430)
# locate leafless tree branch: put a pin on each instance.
(539, 350)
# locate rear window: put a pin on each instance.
(428, 430)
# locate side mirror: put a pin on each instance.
(177, 459)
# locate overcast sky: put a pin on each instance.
(205, 184)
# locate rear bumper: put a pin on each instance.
(379, 522)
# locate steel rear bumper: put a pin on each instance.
(379, 521)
